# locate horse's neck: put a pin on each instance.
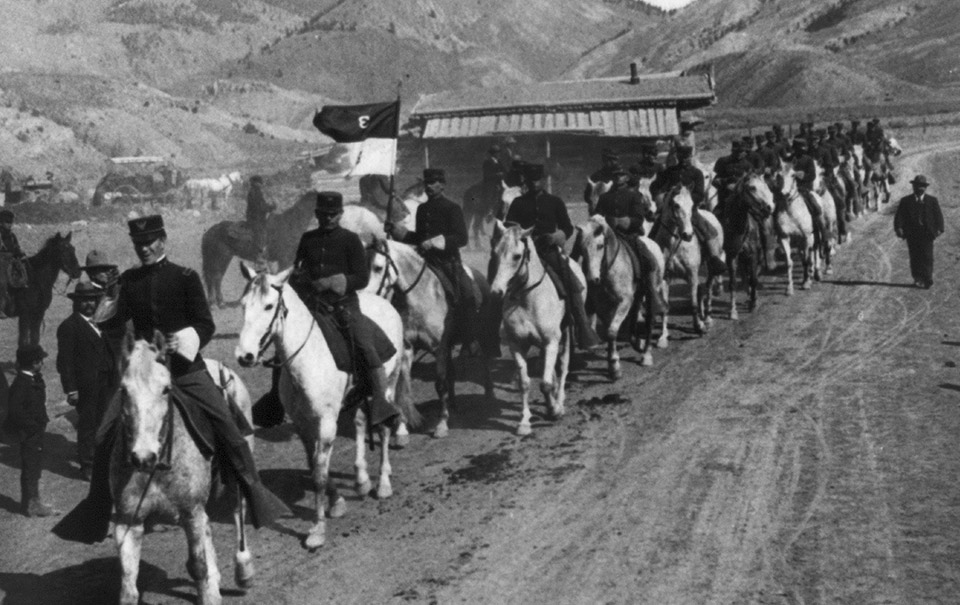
(301, 342)
(45, 266)
(410, 266)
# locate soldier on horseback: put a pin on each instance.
(547, 215)
(688, 175)
(728, 170)
(162, 296)
(258, 208)
(609, 163)
(806, 172)
(13, 269)
(440, 233)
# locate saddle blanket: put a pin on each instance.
(342, 351)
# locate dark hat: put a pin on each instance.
(85, 290)
(533, 172)
(920, 180)
(736, 145)
(329, 202)
(29, 354)
(494, 149)
(760, 138)
(777, 128)
(875, 121)
(256, 179)
(854, 122)
(608, 154)
(831, 128)
(770, 134)
(97, 260)
(799, 144)
(434, 175)
(618, 170)
(6, 215)
(684, 151)
(146, 228)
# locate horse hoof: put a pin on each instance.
(524, 429)
(362, 488)
(441, 431)
(805, 285)
(401, 441)
(647, 360)
(243, 571)
(338, 508)
(314, 540)
(663, 342)
(734, 316)
(615, 374)
(384, 490)
(828, 271)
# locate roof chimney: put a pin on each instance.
(634, 78)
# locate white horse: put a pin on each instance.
(312, 388)
(532, 315)
(141, 490)
(794, 226)
(831, 235)
(200, 189)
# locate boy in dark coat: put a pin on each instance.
(26, 424)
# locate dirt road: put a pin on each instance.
(806, 454)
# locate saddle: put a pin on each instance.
(343, 350)
(452, 292)
(197, 423)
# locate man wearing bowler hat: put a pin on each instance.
(162, 296)
(329, 268)
(103, 273)
(919, 221)
(547, 215)
(86, 367)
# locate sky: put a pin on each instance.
(668, 4)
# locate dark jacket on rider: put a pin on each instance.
(622, 203)
(674, 176)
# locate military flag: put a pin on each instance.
(369, 132)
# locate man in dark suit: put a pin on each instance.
(26, 424)
(169, 298)
(919, 221)
(86, 366)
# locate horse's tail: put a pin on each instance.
(402, 392)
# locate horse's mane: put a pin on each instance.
(139, 363)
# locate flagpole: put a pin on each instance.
(396, 150)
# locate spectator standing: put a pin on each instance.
(919, 221)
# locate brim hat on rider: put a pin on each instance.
(85, 290)
(920, 181)
(329, 202)
(97, 260)
(684, 152)
(147, 228)
(533, 172)
(434, 175)
(29, 354)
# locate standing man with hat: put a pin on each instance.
(919, 221)
(103, 274)
(169, 298)
(86, 366)
(329, 268)
(26, 424)
(547, 215)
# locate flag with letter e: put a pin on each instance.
(370, 131)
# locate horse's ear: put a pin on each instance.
(526, 232)
(246, 271)
(282, 277)
(127, 346)
(68, 236)
(159, 341)
(498, 228)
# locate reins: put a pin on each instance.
(381, 288)
(525, 262)
(269, 335)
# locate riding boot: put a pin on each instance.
(586, 337)
(380, 410)
(268, 410)
(89, 521)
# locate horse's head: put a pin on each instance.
(893, 147)
(593, 241)
(66, 254)
(757, 194)
(511, 255)
(144, 389)
(263, 313)
(678, 212)
(416, 193)
(383, 271)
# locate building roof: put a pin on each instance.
(608, 106)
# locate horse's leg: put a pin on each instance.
(693, 281)
(707, 313)
(203, 556)
(613, 330)
(23, 329)
(664, 339)
(243, 569)
(754, 281)
(785, 245)
(732, 273)
(129, 539)
(444, 383)
(361, 479)
(323, 449)
(548, 384)
(811, 265)
(563, 370)
(523, 383)
(384, 487)
(403, 394)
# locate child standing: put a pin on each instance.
(26, 424)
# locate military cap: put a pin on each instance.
(329, 202)
(618, 170)
(777, 128)
(256, 179)
(97, 260)
(85, 290)
(434, 175)
(146, 228)
(533, 172)
(799, 144)
(854, 122)
(509, 141)
(875, 121)
(736, 145)
(29, 354)
(920, 181)
(6, 216)
(831, 128)
(760, 138)
(494, 149)
(684, 151)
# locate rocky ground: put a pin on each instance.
(805, 454)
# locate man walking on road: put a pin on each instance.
(919, 221)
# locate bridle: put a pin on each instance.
(383, 286)
(270, 334)
(606, 262)
(524, 275)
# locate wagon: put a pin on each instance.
(140, 179)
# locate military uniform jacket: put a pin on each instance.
(163, 296)
(9, 243)
(83, 358)
(492, 172)
(689, 176)
(326, 253)
(26, 407)
(622, 203)
(440, 216)
(806, 164)
(648, 168)
(919, 219)
(544, 212)
(729, 170)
